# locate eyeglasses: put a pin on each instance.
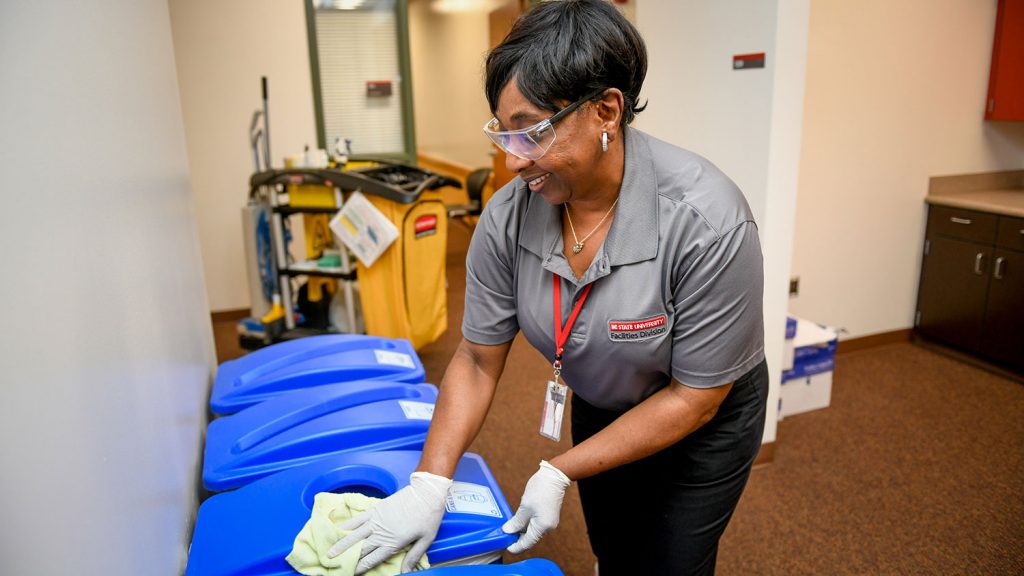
(533, 142)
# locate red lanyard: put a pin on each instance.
(562, 333)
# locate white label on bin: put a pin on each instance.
(466, 498)
(417, 410)
(394, 358)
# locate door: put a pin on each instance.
(954, 283)
(1003, 338)
(500, 23)
(1006, 74)
(362, 88)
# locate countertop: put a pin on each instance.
(1008, 202)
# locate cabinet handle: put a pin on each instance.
(956, 220)
(978, 259)
(998, 272)
(1021, 231)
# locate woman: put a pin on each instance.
(635, 268)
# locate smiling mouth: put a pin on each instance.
(538, 181)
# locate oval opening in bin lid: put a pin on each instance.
(251, 530)
(314, 361)
(297, 428)
(368, 480)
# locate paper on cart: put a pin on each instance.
(363, 229)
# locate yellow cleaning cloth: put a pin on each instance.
(309, 553)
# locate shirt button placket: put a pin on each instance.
(580, 326)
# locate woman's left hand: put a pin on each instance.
(540, 508)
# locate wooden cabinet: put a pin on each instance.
(951, 300)
(971, 295)
(1003, 330)
(1006, 77)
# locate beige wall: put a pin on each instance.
(447, 52)
(221, 50)
(895, 94)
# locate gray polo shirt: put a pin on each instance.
(677, 282)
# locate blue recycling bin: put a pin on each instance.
(297, 428)
(251, 530)
(531, 567)
(314, 361)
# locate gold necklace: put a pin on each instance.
(578, 246)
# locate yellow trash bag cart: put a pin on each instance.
(404, 293)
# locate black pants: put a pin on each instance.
(664, 514)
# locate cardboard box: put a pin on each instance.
(807, 385)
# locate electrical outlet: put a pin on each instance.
(794, 286)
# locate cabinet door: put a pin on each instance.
(954, 283)
(1003, 337)
(1006, 74)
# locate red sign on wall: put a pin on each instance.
(747, 61)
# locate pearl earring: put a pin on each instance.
(604, 141)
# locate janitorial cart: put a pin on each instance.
(402, 292)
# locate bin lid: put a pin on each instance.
(297, 428)
(296, 364)
(531, 567)
(251, 530)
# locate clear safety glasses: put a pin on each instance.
(533, 142)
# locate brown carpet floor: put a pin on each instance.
(916, 468)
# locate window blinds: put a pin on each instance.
(356, 47)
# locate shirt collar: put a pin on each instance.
(633, 236)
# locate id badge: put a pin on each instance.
(554, 408)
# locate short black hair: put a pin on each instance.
(562, 50)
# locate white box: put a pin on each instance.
(807, 384)
(805, 394)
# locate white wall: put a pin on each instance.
(696, 99)
(106, 352)
(895, 94)
(222, 49)
(447, 52)
(747, 122)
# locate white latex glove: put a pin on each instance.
(540, 508)
(410, 516)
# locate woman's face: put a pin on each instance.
(567, 169)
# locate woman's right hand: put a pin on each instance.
(410, 516)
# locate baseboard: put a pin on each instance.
(766, 456)
(230, 315)
(873, 341)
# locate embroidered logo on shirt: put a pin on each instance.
(636, 330)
